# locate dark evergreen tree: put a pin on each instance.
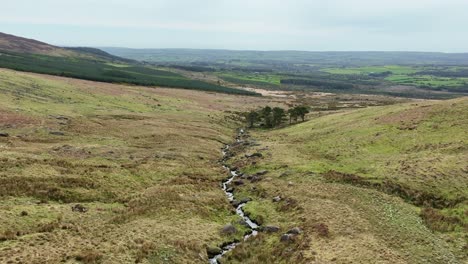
(278, 115)
(266, 114)
(252, 117)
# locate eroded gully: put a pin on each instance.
(239, 209)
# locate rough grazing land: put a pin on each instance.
(385, 184)
(102, 173)
(96, 172)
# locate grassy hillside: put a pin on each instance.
(384, 184)
(103, 173)
(30, 55)
(141, 161)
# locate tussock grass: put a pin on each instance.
(357, 183)
(142, 161)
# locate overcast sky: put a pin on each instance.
(318, 25)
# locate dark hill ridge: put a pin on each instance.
(94, 52)
(11, 43)
(30, 55)
(24, 45)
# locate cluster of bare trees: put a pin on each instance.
(272, 117)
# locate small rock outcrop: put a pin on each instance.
(262, 172)
(287, 238)
(213, 251)
(238, 182)
(57, 133)
(245, 200)
(290, 235)
(295, 231)
(235, 203)
(253, 155)
(79, 208)
(271, 229)
(228, 230)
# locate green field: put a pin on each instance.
(372, 69)
(429, 81)
(418, 76)
(260, 79)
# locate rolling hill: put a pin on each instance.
(92, 64)
(23, 45)
(246, 57)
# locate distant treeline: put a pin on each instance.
(96, 70)
(451, 74)
(193, 68)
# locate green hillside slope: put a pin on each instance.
(383, 184)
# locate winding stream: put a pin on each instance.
(239, 209)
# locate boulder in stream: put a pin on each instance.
(243, 223)
(238, 182)
(213, 251)
(235, 203)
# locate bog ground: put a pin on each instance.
(105, 173)
(141, 161)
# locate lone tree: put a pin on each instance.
(278, 115)
(252, 117)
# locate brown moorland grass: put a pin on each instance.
(139, 163)
(102, 173)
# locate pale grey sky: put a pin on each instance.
(318, 25)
